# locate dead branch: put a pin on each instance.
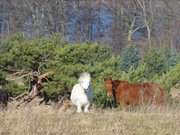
(35, 88)
(21, 96)
(15, 76)
(27, 100)
(45, 75)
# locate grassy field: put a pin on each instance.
(45, 120)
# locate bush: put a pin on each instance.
(27, 54)
(71, 60)
(155, 62)
(15, 89)
(171, 57)
(67, 61)
(2, 78)
(135, 75)
(129, 58)
(171, 78)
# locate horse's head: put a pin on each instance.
(85, 80)
(112, 85)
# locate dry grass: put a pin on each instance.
(44, 120)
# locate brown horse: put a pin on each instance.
(127, 93)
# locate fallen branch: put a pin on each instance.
(44, 76)
(36, 86)
(21, 96)
(26, 100)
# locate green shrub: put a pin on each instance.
(66, 61)
(171, 78)
(71, 60)
(15, 89)
(2, 78)
(27, 54)
(100, 99)
(135, 75)
(155, 62)
(129, 58)
(171, 57)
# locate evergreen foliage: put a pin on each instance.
(67, 61)
(130, 57)
(159, 61)
(2, 78)
(135, 75)
(171, 78)
(156, 62)
(171, 56)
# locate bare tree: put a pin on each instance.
(83, 20)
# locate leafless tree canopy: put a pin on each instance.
(115, 22)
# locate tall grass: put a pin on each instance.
(44, 120)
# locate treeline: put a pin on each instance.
(115, 22)
(20, 56)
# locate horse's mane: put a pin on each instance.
(84, 77)
(84, 80)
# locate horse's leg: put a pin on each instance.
(86, 108)
(79, 109)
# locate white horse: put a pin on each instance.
(82, 94)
